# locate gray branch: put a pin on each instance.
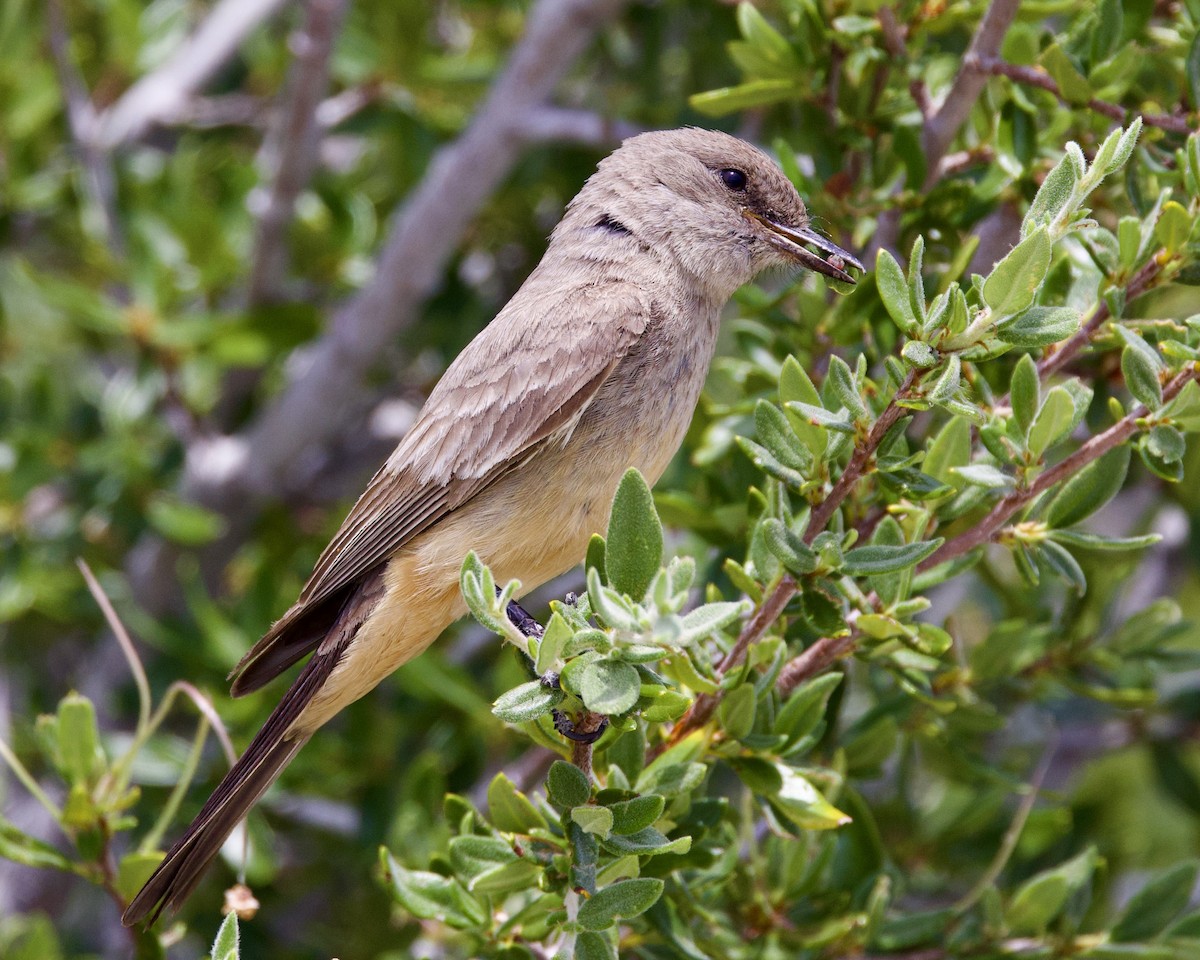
(327, 396)
(99, 181)
(949, 116)
(290, 153)
(160, 96)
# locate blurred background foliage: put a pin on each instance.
(147, 329)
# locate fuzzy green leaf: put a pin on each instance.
(1013, 282)
(619, 901)
(880, 558)
(894, 292)
(609, 686)
(1089, 490)
(634, 545)
(526, 702)
(1025, 392)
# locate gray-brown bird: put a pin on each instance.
(594, 366)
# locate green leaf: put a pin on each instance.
(590, 945)
(1042, 898)
(736, 711)
(1166, 443)
(1040, 326)
(805, 709)
(766, 461)
(1106, 34)
(946, 385)
(134, 869)
(775, 433)
(619, 901)
(226, 946)
(950, 448)
(1025, 392)
(706, 620)
(1160, 901)
(986, 476)
(919, 354)
(595, 820)
(1063, 564)
(1093, 541)
(1013, 282)
(634, 544)
(880, 558)
(1089, 490)
(567, 785)
(430, 896)
(756, 93)
(796, 556)
(766, 40)
(19, 847)
(1141, 366)
(630, 816)
(916, 284)
(671, 779)
(609, 686)
(526, 702)
(78, 740)
(1053, 196)
(1072, 84)
(472, 855)
(509, 809)
(1053, 421)
(550, 647)
(1174, 225)
(1192, 68)
(594, 559)
(841, 381)
(894, 292)
(820, 417)
(802, 803)
(794, 384)
(646, 842)
(185, 523)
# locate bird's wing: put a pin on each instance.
(524, 381)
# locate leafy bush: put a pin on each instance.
(894, 663)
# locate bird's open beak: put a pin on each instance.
(792, 240)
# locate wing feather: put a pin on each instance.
(521, 383)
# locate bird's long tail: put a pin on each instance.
(269, 752)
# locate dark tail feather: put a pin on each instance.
(186, 862)
(269, 752)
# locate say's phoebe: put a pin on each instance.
(594, 366)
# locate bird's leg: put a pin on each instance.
(589, 727)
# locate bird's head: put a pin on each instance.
(719, 207)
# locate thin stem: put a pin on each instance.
(123, 640)
(1009, 843)
(770, 610)
(1142, 281)
(1038, 77)
(945, 122)
(28, 782)
(983, 531)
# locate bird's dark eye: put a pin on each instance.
(733, 179)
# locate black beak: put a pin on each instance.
(792, 240)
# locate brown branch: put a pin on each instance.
(815, 660)
(767, 612)
(1038, 77)
(983, 531)
(1142, 281)
(943, 125)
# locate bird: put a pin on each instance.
(595, 365)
